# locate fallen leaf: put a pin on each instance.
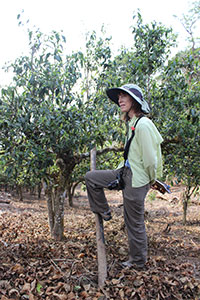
(71, 296)
(81, 255)
(83, 294)
(26, 288)
(115, 281)
(121, 293)
(60, 296)
(17, 268)
(138, 283)
(31, 296)
(13, 293)
(86, 287)
(4, 298)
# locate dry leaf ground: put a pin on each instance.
(33, 266)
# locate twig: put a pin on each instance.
(112, 265)
(64, 275)
(56, 266)
(87, 271)
(167, 229)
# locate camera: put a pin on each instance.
(117, 184)
(161, 187)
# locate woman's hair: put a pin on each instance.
(137, 110)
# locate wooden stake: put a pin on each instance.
(101, 251)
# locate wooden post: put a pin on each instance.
(101, 251)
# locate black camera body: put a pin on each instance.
(117, 184)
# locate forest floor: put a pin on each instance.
(33, 266)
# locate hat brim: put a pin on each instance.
(114, 92)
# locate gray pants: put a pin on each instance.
(133, 199)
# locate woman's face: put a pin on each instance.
(125, 102)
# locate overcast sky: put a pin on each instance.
(76, 17)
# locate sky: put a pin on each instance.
(77, 17)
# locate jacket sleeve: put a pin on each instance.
(147, 145)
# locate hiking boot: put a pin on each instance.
(130, 264)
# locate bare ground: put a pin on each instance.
(29, 257)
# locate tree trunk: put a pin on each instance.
(185, 205)
(185, 200)
(20, 193)
(56, 196)
(58, 229)
(69, 195)
(50, 207)
(70, 199)
(39, 190)
(101, 251)
(32, 191)
(55, 205)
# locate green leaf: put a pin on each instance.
(77, 288)
(57, 57)
(39, 287)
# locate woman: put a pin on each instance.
(140, 170)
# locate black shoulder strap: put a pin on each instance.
(130, 140)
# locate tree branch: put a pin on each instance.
(99, 152)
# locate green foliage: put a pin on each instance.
(151, 48)
(151, 196)
(190, 22)
(152, 44)
(47, 117)
(40, 111)
(176, 105)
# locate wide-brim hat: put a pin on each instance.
(134, 91)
